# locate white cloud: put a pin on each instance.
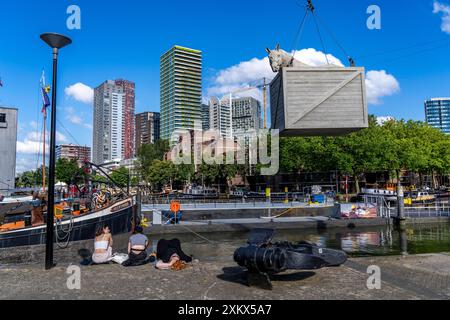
(243, 74)
(444, 9)
(380, 84)
(32, 144)
(80, 92)
(75, 119)
(23, 165)
(316, 58)
(383, 119)
(33, 125)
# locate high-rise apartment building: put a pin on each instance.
(128, 111)
(437, 113)
(205, 117)
(245, 118)
(246, 115)
(73, 152)
(220, 116)
(181, 90)
(114, 122)
(147, 128)
(8, 147)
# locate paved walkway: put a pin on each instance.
(411, 277)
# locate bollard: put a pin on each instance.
(400, 220)
(157, 218)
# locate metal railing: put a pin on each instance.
(151, 202)
(437, 211)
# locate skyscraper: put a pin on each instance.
(128, 117)
(205, 117)
(8, 146)
(114, 123)
(437, 113)
(181, 90)
(246, 115)
(220, 117)
(147, 128)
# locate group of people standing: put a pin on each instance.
(169, 254)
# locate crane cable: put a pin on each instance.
(310, 8)
(350, 59)
(321, 39)
(299, 34)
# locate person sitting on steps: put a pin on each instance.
(103, 245)
(137, 248)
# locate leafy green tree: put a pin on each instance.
(161, 173)
(121, 177)
(148, 153)
(394, 146)
(69, 172)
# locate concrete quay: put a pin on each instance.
(403, 277)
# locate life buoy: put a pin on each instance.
(175, 207)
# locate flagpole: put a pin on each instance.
(43, 155)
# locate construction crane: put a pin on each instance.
(264, 87)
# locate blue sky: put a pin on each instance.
(125, 40)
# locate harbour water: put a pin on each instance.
(220, 247)
(359, 242)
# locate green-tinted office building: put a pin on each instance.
(181, 90)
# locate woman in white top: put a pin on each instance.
(103, 245)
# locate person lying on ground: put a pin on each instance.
(170, 255)
(103, 245)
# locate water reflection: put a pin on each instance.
(386, 240)
(374, 241)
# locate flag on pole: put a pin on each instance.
(44, 91)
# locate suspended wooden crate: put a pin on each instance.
(310, 101)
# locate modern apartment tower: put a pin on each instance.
(181, 90)
(147, 128)
(114, 122)
(220, 117)
(205, 117)
(437, 113)
(246, 115)
(8, 147)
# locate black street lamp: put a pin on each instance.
(56, 42)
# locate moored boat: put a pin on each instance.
(118, 216)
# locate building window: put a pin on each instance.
(2, 117)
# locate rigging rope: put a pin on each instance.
(299, 34)
(320, 37)
(63, 241)
(414, 53)
(335, 40)
(384, 52)
(185, 227)
(68, 132)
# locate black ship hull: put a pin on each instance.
(119, 218)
